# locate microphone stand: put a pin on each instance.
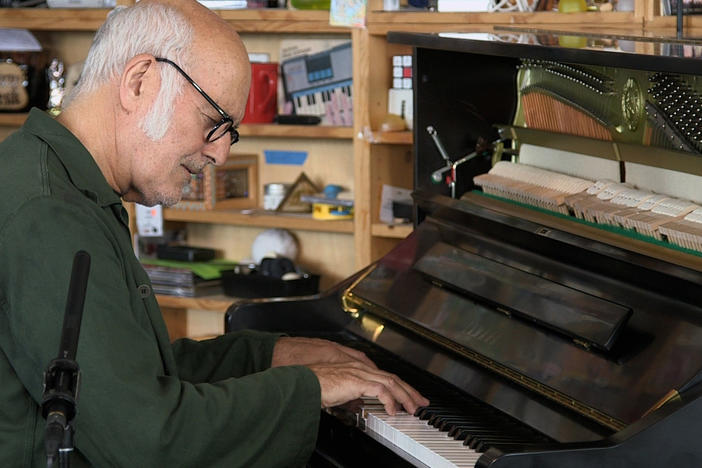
(62, 376)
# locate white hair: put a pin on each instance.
(144, 28)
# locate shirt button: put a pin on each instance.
(144, 290)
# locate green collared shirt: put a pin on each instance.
(143, 402)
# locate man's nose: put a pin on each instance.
(218, 151)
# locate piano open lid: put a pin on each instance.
(467, 87)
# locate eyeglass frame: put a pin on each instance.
(226, 118)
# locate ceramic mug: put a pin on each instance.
(262, 104)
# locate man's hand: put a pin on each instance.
(305, 351)
(346, 374)
(344, 382)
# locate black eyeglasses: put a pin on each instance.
(226, 124)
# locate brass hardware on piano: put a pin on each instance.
(548, 299)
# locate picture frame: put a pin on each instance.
(231, 186)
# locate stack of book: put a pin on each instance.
(185, 279)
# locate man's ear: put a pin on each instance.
(139, 83)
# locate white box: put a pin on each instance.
(400, 103)
(463, 5)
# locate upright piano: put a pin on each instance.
(549, 299)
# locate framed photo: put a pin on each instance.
(233, 185)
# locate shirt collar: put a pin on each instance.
(79, 163)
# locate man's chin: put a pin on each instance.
(165, 200)
(169, 202)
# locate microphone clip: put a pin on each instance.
(58, 407)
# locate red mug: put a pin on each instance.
(262, 104)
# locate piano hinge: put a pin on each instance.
(504, 311)
(346, 303)
(672, 395)
(581, 343)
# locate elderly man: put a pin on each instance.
(161, 93)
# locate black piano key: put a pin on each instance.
(508, 446)
(447, 423)
(482, 443)
(471, 434)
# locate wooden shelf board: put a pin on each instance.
(218, 302)
(382, 22)
(253, 20)
(295, 131)
(669, 23)
(281, 21)
(53, 19)
(392, 138)
(259, 218)
(12, 119)
(398, 231)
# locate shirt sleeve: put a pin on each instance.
(231, 355)
(131, 411)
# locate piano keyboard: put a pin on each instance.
(333, 103)
(453, 431)
(420, 440)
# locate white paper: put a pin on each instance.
(149, 220)
(18, 40)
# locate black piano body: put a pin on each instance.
(582, 346)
